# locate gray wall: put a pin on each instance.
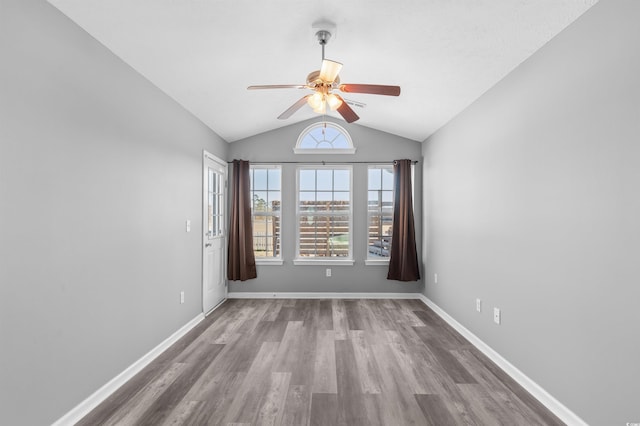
(532, 205)
(371, 145)
(98, 172)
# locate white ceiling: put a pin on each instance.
(204, 53)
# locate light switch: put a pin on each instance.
(188, 225)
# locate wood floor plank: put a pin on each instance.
(509, 394)
(119, 398)
(246, 405)
(375, 327)
(222, 330)
(381, 314)
(377, 410)
(297, 406)
(132, 410)
(308, 311)
(215, 393)
(273, 311)
(490, 382)
(269, 331)
(409, 316)
(351, 406)
(340, 322)
(400, 313)
(237, 355)
(289, 349)
(365, 363)
(354, 316)
(325, 315)
(411, 366)
(324, 374)
(164, 404)
(181, 413)
(254, 317)
(324, 409)
(451, 365)
(485, 409)
(402, 405)
(303, 372)
(438, 329)
(272, 409)
(290, 313)
(435, 410)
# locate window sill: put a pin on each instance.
(376, 262)
(270, 262)
(327, 262)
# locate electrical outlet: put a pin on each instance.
(328, 272)
(496, 315)
(435, 278)
(478, 305)
(181, 297)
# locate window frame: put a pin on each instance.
(374, 260)
(299, 150)
(271, 260)
(349, 260)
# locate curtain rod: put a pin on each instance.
(322, 162)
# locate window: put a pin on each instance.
(379, 213)
(265, 212)
(324, 137)
(324, 215)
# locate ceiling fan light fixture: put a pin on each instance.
(322, 109)
(329, 70)
(333, 101)
(316, 100)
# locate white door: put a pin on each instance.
(214, 283)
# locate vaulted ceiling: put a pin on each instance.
(204, 53)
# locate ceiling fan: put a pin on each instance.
(323, 82)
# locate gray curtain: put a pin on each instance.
(403, 263)
(241, 262)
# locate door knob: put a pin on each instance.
(208, 245)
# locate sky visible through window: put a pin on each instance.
(323, 137)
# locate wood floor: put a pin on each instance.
(321, 362)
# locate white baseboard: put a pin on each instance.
(82, 409)
(321, 295)
(555, 406)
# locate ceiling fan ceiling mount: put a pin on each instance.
(323, 36)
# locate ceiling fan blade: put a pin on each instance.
(374, 89)
(346, 112)
(278, 86)
(293, 108)
(330, 70)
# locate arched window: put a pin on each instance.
(324, 138)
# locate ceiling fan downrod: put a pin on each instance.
(323, 38)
